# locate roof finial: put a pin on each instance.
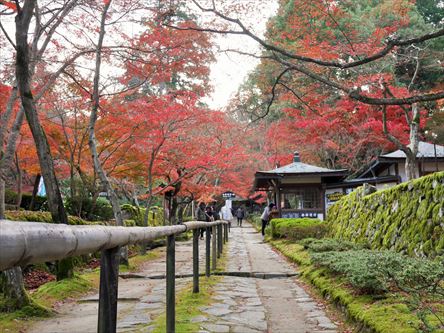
(296, 157)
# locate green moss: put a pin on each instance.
(45, 217)
(408, 217)
(17, 321)
(188, 304)
(386, 315)
(54, 291)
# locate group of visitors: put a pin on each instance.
(209, 213)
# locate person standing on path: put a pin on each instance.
(240, 214)
(265, 217)
(201, 216)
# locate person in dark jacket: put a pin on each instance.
(240, 214)
(201, 216)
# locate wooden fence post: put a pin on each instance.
(219, 240)
(195, 260)
(171, 285)
(214, 246)
(109, 278)
(207, 251)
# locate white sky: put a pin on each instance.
(231, 69)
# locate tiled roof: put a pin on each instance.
(301, 168)
(424, 150)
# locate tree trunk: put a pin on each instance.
(55, 202)
(34, 191)
(23, 76)
(92, 137)
(2, 199)
(18, 202)
(410, 161)
(13, 289)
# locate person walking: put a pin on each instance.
(265, 217)
(240, 214)
(201, 216)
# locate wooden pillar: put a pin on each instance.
(219, 240)
(207, 251)
(214, 249)
(195, 260)
(109, 278)
(171, 285)
(278, 197)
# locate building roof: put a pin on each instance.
(425, 150)
(299, 168)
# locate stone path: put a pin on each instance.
(140, 300)
(242, 304)
(261, 305)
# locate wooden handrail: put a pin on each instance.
(23, 243)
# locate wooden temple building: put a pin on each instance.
(300, 189)
(304, 190)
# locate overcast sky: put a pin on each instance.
(231, 69)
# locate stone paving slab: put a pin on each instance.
(247, 304)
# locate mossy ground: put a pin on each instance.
(188, 304)
(382, 315)
(48, 295)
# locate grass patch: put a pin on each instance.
(188, 304)
(56, 291)
(19, 320)
(391, 312)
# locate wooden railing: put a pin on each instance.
(23, 243)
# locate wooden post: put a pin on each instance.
(226, 232)
(207, 251)
(170, 285)
(109, 275)
(214, 246)
(195, 260)
(219, 240)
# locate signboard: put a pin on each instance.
(296, 215)
(228, 195)
(335, 196)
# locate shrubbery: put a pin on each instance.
(329, 244)
(11, 200)
(297, 228)
(101, 211)
(45, 217)
(376, 272)
(136, 214)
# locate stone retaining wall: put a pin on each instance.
(407, 218)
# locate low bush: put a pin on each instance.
(83, 207)
(11, 200)
(329, 244)
(412, 304)
(297, 228)
(376, 272)
(137, 214)
(45, 217)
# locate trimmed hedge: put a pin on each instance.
(45, 217)
(407, 218)
(297, 228)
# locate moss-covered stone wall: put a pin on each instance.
(407, 218)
